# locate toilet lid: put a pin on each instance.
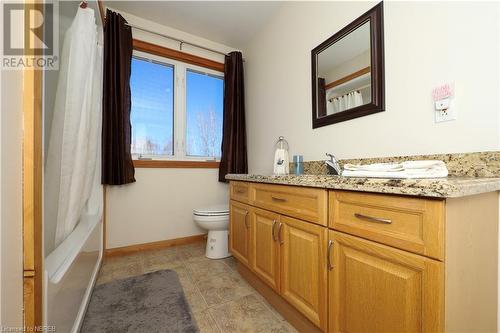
(216, 210)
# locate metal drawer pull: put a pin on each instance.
(278, 199)
(240, 191)
(328, 254)
(279, 234)
(273, 233)
(372, 219)
(246, 220)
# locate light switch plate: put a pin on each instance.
(446, 115)
(442, 104)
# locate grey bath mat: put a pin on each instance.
(149, 303)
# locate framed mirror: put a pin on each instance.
(348, 71)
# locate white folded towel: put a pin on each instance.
(376, 167)
(410, 169)
(424, 164)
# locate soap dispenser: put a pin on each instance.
(281, 158)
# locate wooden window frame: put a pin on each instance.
(348, 78)
(174, 164)
(165, 52)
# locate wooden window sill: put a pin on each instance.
(176, 164)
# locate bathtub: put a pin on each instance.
(70, 273)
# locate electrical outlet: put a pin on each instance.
(447, 114)
(444, 103)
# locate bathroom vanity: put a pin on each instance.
(335, 254)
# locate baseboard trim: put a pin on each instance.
(124, 250)
(294, 317)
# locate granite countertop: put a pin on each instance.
(450, 187)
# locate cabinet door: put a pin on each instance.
(303, 268)
(239, 233)
(376, 288)
(265, 247)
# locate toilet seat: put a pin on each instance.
(219, 210)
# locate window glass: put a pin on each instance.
(152, 114)
(204, 114)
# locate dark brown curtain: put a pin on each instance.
(234, 138)
(321, 97)
(117, 165)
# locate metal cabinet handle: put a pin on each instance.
(372, 219)
(273, 233)
(328, 255)
(246, 220)
(278, 199)
(279, 233)
(240, 191)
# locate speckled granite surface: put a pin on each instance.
(483, 164)
(450, 187)
(470, 174)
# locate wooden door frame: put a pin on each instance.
(33, 190)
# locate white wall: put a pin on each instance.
(166, 30)
(349, 67)
(11, 242)
(1, 264)
(426, 44)
(159, 205)
(11, 252)
(1, 224)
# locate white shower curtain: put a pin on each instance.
(353, 99)
(73, 167)
(344, 102)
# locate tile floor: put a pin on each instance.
(220, 299)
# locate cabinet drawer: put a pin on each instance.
(239, 191)
(408, 223)
(308, 204)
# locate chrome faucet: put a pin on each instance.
(332, 165)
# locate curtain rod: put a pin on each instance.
(176, 39)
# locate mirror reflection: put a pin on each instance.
(344, 73)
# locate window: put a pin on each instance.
(204, 114)
(152, 111)
(177, 109)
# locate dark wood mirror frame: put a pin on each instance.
(377, 104)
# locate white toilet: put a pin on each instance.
(215, 219)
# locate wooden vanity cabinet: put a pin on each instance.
(369, 262)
